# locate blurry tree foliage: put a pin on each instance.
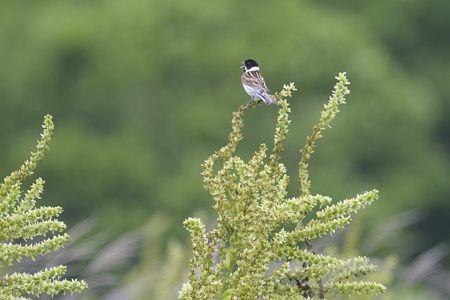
(142, 90)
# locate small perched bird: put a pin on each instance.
(254, 83)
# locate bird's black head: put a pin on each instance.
(250, 63)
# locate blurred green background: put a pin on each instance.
(142, 92)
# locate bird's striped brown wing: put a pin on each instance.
(254, 80)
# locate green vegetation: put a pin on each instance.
(21, 221)
(146, 87)
(254, 215)
(142, 91)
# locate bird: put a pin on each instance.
(254, 84)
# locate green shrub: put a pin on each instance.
(25, 231)
(260, 247)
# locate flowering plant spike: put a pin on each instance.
(260, 247)
(28, 231)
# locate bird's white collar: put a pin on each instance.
(252, 69)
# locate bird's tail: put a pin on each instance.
(267, 99)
